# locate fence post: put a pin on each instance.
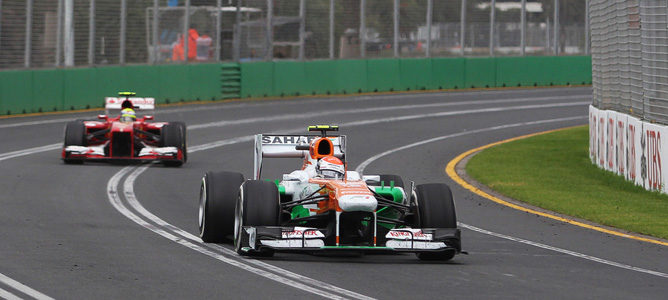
(523, 29)
(69, 33)
(556, 27)
(395, 43)
(186, 25)
(236, 55)
(219, 7)
(156, 16)
(91, 33)
(462, 30)
(430, 8)
(1, 22)
(302, 28)
(121, 54)
(362, 28)
(492, 20)
(28, 35)
(270, 31)
(587, 45)
(331, 29)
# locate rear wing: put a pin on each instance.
(137, 102)
(275, 145)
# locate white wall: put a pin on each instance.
(629, 147)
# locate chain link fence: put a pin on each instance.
(629, 45)
(48, 33)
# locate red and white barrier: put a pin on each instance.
(629, 147)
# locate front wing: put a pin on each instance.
(304, 239)
(98, 153)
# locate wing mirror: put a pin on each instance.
(102, 117)
(148, 117)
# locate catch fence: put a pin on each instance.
(55, 33)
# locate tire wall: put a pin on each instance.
(46, 90)
(629, 147)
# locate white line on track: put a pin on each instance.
(161, 227)
(338, 100)
(128, 188)
(7, 295)
(29, 151)
(365, 163)
(115, 199)
(45, 148)
(22, 288)
(564, 251)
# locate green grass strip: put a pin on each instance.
(553, 171)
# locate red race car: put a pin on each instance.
(125, 136)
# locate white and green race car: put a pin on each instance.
(325, 207)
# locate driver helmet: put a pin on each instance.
(330, 167)
(128, 115)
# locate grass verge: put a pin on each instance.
(553, 171)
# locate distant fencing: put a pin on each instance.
(56, 33)
(629, 112)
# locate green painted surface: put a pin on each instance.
(480, 72)
(204, 82)
(289, 78)
(47, 90)
(16, 92)
(257, 79)
(383, 75)
(448, 73)
(174, 83)
(320, 77)
(351, 76)
(79, 88)
(416, 74)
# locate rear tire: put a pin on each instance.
(173, 135)
(75, 135)
(258, 205)
(218, 196)
(436, 209)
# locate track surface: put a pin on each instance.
(100, 230)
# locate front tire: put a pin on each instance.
(75, 135)
(174, 135)
(218, 196)
(436, 209)
(258, 205)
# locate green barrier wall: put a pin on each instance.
(287, 78)
(29, 91)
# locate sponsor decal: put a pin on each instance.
(620, 147)
(285, 139)
(592, 136)
(299, 232)
(654, 156)
(610, 143)
(601, 142)
(407, 234)
(631, 152)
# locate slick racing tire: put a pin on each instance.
(173, 135)
(217, 198)
(258, 205)
(182, 127)
(387, 179)
(436, 209)
(75, 135)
